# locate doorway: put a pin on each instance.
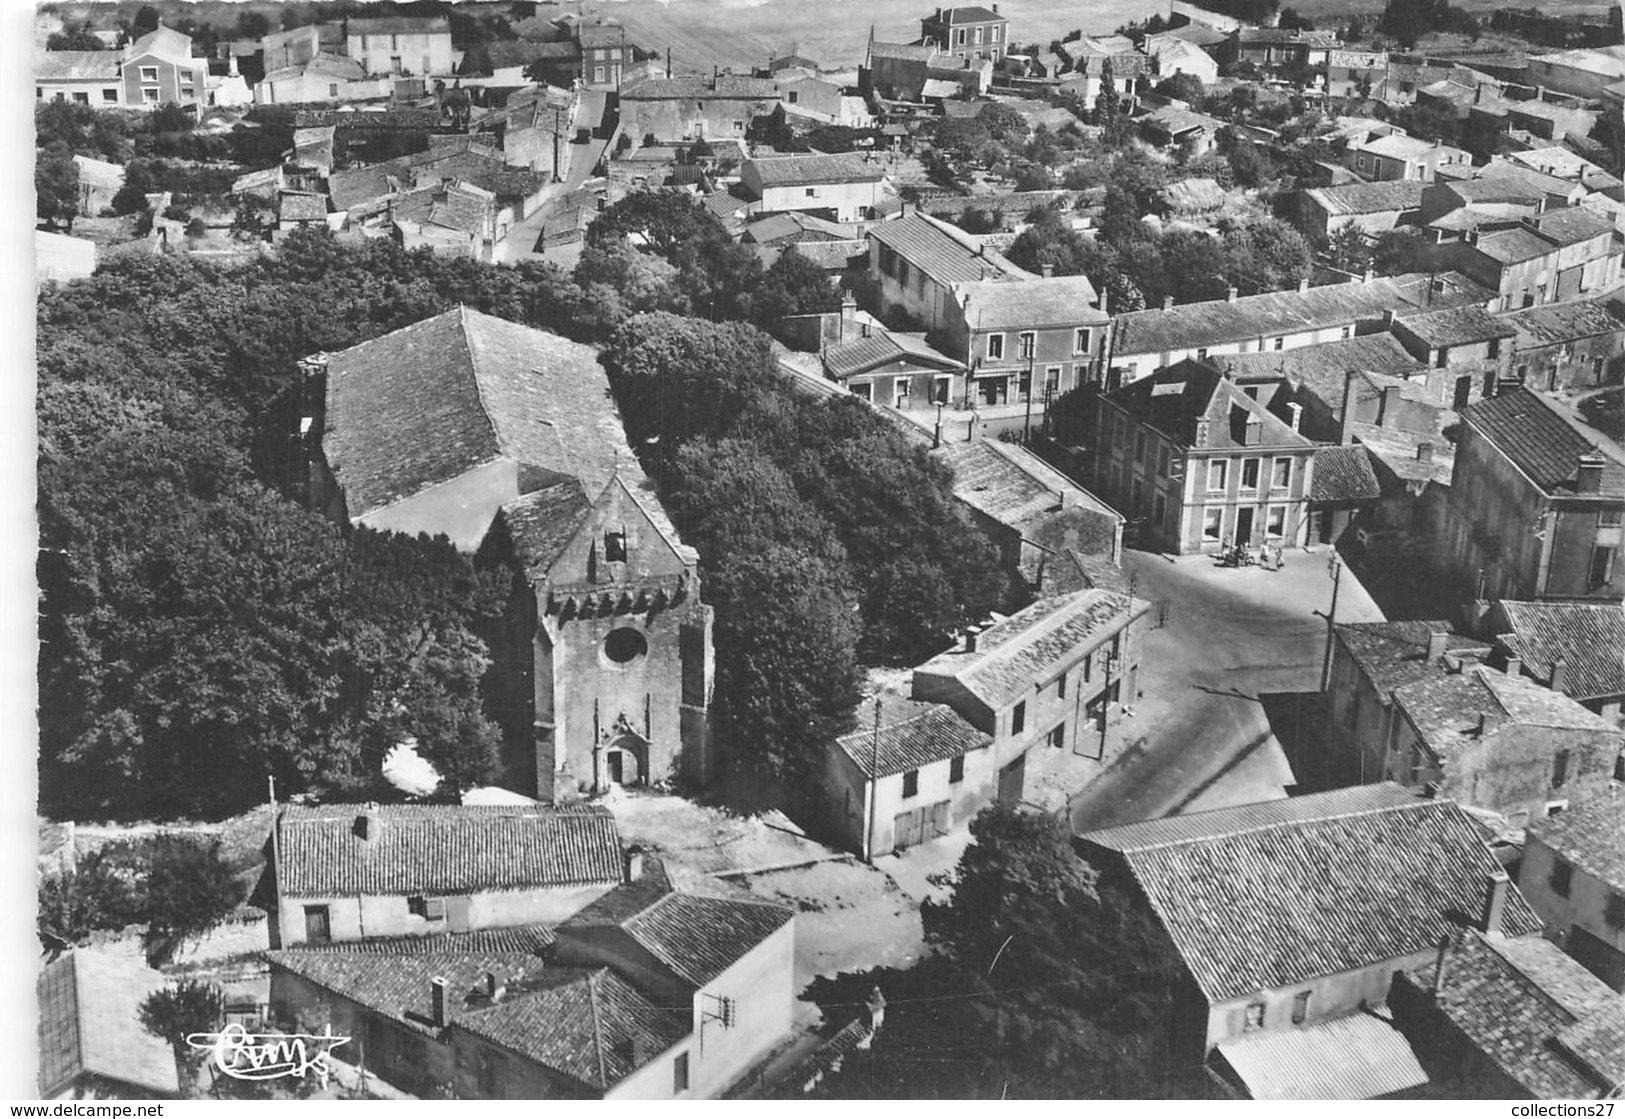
(1012, 778)
(994, 390)
(1244, 526)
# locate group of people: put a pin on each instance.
(1241, 555)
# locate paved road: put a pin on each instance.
(576, 164)
(1201, 736)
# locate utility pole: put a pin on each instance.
(1335, 569)
(1106, 697)
(874, 787)
(1027, 427)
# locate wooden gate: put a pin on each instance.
(919, 825)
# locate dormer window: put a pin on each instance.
(615, 547)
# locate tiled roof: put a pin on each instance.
(722, 204)
(399, 25)
(800, 170)
(89, 1024)
(1323, 369)
(444, 849)
(301, 206)
(1272, 895)
(1312, 39)
(1589, 638)
(364, 185)
(1437, 290)
(1513, 246)
(591, 1026)
(1344, 474)
(1400, 453)
(1396, 146)
(1370, 198)
(1516, 1001)
(1445, 708)
(907, 52)
(1564, 164)
(1590, 835)
(1557, 323)
(1609, 61)
(911, 735)
(1182, 398)
(882, 348)
(1250, 317)
(1573, 224)
(77, 66)
(519, 940)
(945, 254)
(1052, 301)
(1172, 121)
(167, 43)
(1011, 484)
(1598, 1042)
(1032, 646)
(1456, 326)
(1545, 441)
(429, 402)
(697, 938)
(727, 87)
(542, 524)
(1393, 654)
(600, 34)
(1358, 1056)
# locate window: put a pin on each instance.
(1495, 347)
(1218, 474)
(1249, 474)
(82, 98)
(911, 783)
(598, 73)
(1029, 342)
(1080, 343)
(615, 547)
(1560, 769)
(1613, 911)
(900, 391)
(679, 1073)
(812, 192)
(1348, 332)
(940, 387)
(956, 770)
(110, 95)
(1275, 522)
(977, 37)
(995, 347)
(1052, 380)
(1162, 461)
(862, 391)
(1211, 523)
(993, 35)
(1254, 1019)
(1442, 358)
(430, 909)
(148, 95)
(332, 89)
(1057, 736)
(1139, 447)
(1281, 474)
(1561, 877)
(1088, 667)
(317, 928)
(1608, 518)
(793, 96)
(1556, 807)
(1060, 686)
(739, 126)
(1602, 567)
(1280, 343)
(149, 73)
(1300, 1007)
(1018, 718)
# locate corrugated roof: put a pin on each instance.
(1589, 638)
(801, 170)
(1035, 644)
(1360, 1056)
(1557, 323)
(1456, 326)
(426, 403)
(912, 735)
(89, 1024)
(1370, 198)
(1343, 474)
(1590, 835)
(1273, 895)
(1545, 440)
(444, 849)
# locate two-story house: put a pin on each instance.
(689, 108)
(1570, 346)
(1573, 872)
(1046, 677)
(158, 69)
(1195, 457)
(915, 262)
(1276, 50)
(1536, 505)
(604, 52)
(969, 32)
(345, 872)
(1548, 257)
(1465, 346)
(1401, 157)
(417, 45)
(842, 188)
(1577, 648)
(1027, 339)
(1290, 919)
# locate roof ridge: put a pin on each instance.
(597, 1026)
(1271, 825)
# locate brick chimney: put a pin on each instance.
(1590, 475)
(634, 863)
(1437, 640)
(366, 823)
(1496, 885)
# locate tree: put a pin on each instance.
(793, 285)
(93, 895)
(1182, 87)
(172, 118)
(252, 25)
(185, 1007)
(1290, 20)
(146, 20)
(1399, 251)
(1107, 100)
(1348, 250)
(1616, 25)
(56, 185)
(75, 37)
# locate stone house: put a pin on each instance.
(1290, 918)
(1351, 72)
(1372, 208)
(916, 260)
(895, 370)
(903, 71)
(417, 45)
(1274, 50)
(972, 32)
(842, 188)
(280, 49)
(1403, 158)
(1027, 338)
(99, 181)
(1368, 378)
(1046, 677)
(917, 773)
(159, 69)
(1199, 460)
(1562, 163)
(346, 872)
(1536, 504)
(1467, 350)
(1570, 346)
(1549, 257)
(1573, 872)
(695, 108)
(605, 54)
(92, 1045)
(1577, 648)
(82, 77)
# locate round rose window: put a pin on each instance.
(624, 646)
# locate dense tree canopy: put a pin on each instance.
(56, 185)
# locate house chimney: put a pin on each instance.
(1484, 726)
(1253, 433)
(634, 863)
(1560, 674)
(1230, 294)
(668, 62)
(1297, 414)
(1103, 294)
(366, 824)
(1514, 665)
(1495, 901)
(1370, 274)
(1390, 405)
(970, 639)
(1424, 452)
(1303, 286)
(1590, 477)
(1441, 968)
(1437, 640)
(437, 1002)
(1049, 271)
(1346, 419)
(494, 987)
(1168, 302)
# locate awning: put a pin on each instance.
(1357, 1057)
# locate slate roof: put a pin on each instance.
(1358, 1056)
(1273, 895)
(1370, 198)
(939, 250)
(89, 1024)
(1590, 835)
(1343, 474)
(1588, 637)
(972, 14)
(77, 66)
(912, 735)
(1456, 326)
(1519, 1002)
(801, 170)
(444, 849)
(426, 403)
(591, 1026)
(1011, 484)
(1557, 323)
(696, 937)
(1445, 708)
(1393, 654)
(1250, 317)
(1179, 399)
(1545, 441)
(882, 347)
(1033, 645)
(1054, 301)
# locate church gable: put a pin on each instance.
(624, 539)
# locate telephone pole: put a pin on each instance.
(1335, 569)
